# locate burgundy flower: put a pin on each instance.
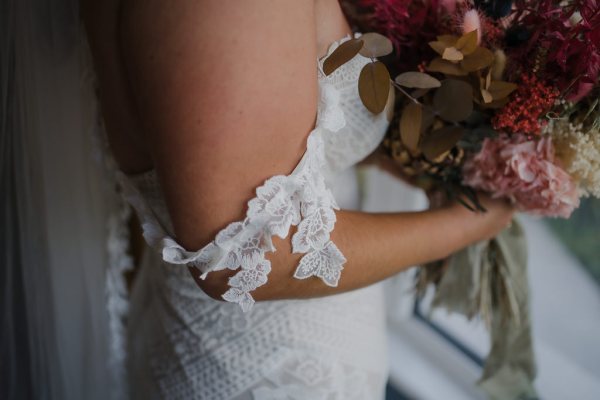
(568, 38)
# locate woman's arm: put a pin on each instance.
(380, 245)
(228, 94)
(227, 91)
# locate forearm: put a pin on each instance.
(376, 246)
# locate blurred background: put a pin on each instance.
(438, 355)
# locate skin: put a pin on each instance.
(220, 95)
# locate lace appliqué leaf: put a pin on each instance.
(245, 281)
(300, 199)
(274, 207)
(326, 263)
(313, 231)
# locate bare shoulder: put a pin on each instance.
(227, 93)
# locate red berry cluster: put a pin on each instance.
(492, 34)
(528, 103)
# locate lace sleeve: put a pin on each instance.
(300, 199)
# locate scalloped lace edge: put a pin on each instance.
(300, 199)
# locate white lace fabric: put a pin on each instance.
(184, 345)
(300, 199)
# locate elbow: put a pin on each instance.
(213, 290)
(215, 284)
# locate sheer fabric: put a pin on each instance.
(62, 222)
(183, 344)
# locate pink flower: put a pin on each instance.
(471, 22)
(525, 172)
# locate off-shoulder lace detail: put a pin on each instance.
(300, 199)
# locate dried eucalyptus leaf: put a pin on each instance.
(452, 54)
(501, 89)
(446, 67)
(479, 59)
(440, 141)
(497, 103)
(390, 103)
(427, 120)
(448, 40)
(418, 80)
(486, 96)
(438, 47)
(374, 86)
(488, 79)
(341, 55)
(453, 101)
(410, 125)
(375, 45)
(467, 43)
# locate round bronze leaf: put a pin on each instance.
(501, 89)
(453, 101)
(479, 59)
(374, 86)
(467, 42)
(341, 55)
(452, 54)
(391, 101)
(446, 67)
(417, 80)
(376, 45)
(410, 125)
(440, 141)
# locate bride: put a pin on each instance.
(236, 151)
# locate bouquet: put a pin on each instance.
(493, 96)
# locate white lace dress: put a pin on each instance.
(184, 345)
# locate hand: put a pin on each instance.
(496, 218)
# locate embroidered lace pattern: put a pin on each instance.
(184, 345)
(300, 199)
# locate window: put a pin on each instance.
(437, 355)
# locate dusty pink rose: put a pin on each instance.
(524, 171)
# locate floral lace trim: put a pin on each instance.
(300, 199)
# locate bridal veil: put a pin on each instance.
(62, 227)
